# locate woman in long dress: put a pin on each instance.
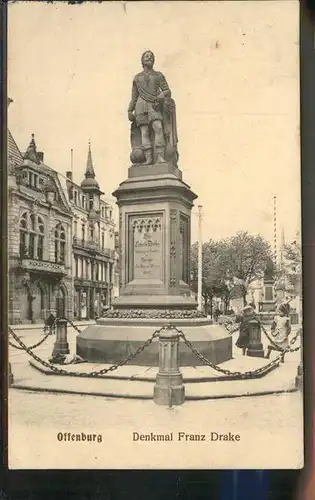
(280, 330)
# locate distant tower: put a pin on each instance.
(90, 186)
(275, 253)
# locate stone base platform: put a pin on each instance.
(111, 340)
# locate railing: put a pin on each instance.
(92, 245)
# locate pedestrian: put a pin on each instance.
(50, 322)
(243, 339)
(216, 315)
(280, 330)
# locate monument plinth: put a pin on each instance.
(154, 219)
(154, 230)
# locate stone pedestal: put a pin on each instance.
(154, 209)
(169, 388)
(61, 345)
(255, 347)
(154, 229)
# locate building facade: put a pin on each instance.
(93, 245)
(61, 241)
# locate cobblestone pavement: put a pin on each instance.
(270, 429)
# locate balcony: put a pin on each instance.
(94, 247)
(43, 266)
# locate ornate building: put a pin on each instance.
(93, 245)
(40, 230)
(61, 241)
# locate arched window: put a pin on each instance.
(32, 236)
(23, 236)
(60, 244)
(40, 240)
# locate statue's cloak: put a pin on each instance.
(169, 130)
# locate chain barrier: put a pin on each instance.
(38, 343)
(73, 325)
(233, 375)
(96, 374)
(276, 346)
(233, 327)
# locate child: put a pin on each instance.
(280, 330)
(243, 339)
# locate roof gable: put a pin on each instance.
(14, 154)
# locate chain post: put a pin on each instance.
(10, 376)
(255, 347)
(169, 389)
(61, 345)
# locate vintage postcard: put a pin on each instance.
(154, 235)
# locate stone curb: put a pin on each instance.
(144, 397)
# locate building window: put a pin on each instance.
(60, 244)
(75, 228)
(76, 267)
(23, 236)
(83, 232)
(40, 240)
(83, 201)
(75, 193)
(92, 234)
(96, 271)
(103, 212)
(103, 240)
(91, 202)
(32, 236)
(110, 277)
(110, 214)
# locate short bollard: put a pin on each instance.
(299, 375)
(61, 345)
(169, 389)
(255, 347)
(10, 376)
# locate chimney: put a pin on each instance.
(40, 156)
(69, 175)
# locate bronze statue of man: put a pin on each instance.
(152, 113)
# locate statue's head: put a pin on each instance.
(147, 59)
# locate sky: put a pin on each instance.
(233, 68)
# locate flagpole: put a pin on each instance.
(199, 294)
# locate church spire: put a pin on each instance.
(89, 172)
(31, 153)
(89, 183)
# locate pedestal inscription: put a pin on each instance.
(146, 248)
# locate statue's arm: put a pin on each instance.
(134, 97)
(165, 90)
